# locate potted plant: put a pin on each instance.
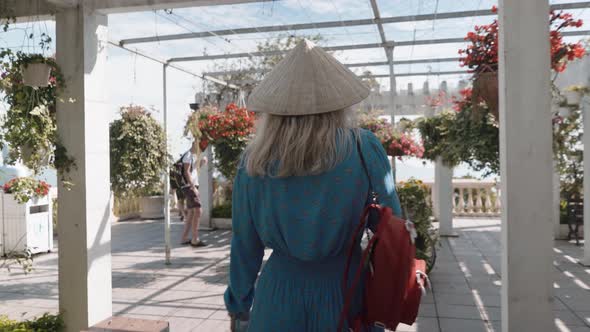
(481, 56)
(138, 159)
(30, 123)
(415, 202)
(36, 74)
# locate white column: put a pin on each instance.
(83, 123)
(443, 193)
(586, 138)
(392, 85)
(526, 166)
(206, 190)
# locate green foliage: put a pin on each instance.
(30, 124)
(222, 211)
(227, 155)
(455, 137)
(567, 147)
(23, 258)
(138, 153)
(413, 196)
(54, 214)
(45, 323)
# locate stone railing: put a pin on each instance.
(475, 198)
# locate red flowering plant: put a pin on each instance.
(26, 188)
(481, 55)
(396, 144)
(228, 131)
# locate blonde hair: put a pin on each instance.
(300, 145)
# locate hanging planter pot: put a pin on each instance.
(572, 97)
(27, 155)
(565, 112)
(485, 87)
(36, 75)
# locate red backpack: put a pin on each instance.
(395, 280)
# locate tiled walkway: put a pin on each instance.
(188, 294)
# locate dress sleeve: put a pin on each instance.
(380, 171)
(246, 253)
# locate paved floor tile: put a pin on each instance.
(189, 292)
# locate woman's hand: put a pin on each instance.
(239, 322)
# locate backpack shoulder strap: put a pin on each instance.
(363, 162)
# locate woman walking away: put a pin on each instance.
(300, 191)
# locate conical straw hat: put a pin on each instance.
(307, 81)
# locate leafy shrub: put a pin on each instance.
(45, 323)
(138, 153)
(413, 196)
(221, 211)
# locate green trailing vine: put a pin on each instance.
(457, 136)
(29, 127)
(414, 199)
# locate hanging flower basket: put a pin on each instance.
(485, 88)
(36, 75)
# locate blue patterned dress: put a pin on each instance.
(308, 223)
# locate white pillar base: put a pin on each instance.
(443, 194)
(206, 192)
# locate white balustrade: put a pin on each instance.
(475, 198)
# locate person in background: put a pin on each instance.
(176, 190)
(300, 190)
(192, 160)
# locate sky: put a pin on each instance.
(133, 79)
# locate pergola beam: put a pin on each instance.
(119, 6)
(350, 47)
(269, 53)
(333, 24)
(425, 73)
(401, 62)
(350, 65)
(28, 10)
